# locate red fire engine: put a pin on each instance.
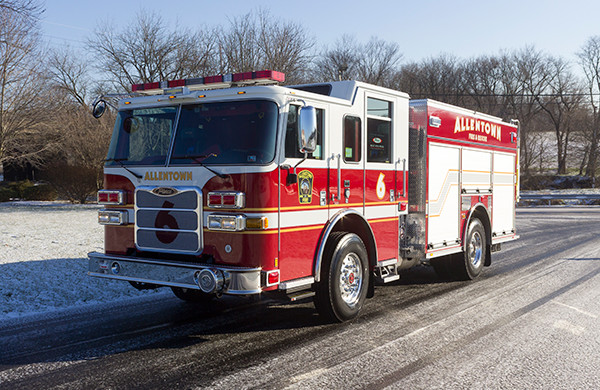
(232, 184)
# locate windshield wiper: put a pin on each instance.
(196, 158)
(120, 162)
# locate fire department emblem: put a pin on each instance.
(305, 186)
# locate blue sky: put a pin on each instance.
(423, 28)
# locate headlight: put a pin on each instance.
(113, 217)
(230, 223)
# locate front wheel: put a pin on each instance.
(342, 289)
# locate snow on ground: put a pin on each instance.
(43, 259)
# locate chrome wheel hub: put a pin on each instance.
(475, 249)
(351, 278)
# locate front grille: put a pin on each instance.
(168, 219)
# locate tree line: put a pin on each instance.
(45, 94)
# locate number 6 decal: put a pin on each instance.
(164, 220)
(380, 186)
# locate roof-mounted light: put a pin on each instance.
(263, 77)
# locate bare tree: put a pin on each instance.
(237, 44)
(28, 9)
(525, 76)
(589, 60)
(374, 62)
(434, 78)
(25, 99)
(147, 51)
(69, 74)
(257, 40)
(377, 61)
(284, 46)
(340, 62)
(561, 104)
(481, 82)
(75, 169)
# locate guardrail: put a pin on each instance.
(551, 197)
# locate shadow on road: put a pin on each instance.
(161, 321)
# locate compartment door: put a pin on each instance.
(443, 206)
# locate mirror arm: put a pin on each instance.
(293, 177)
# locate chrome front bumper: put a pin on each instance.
(238, 280)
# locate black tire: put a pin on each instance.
(191, 295)
(344, 282)
(469, 264)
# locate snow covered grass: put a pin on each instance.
(43, 259)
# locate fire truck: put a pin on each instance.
(234, 184)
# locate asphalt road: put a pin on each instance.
(531, 321)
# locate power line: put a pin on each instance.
(64, 39)
(579, 94)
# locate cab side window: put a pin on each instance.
(291, 135)
(379, 130)
(352, 139)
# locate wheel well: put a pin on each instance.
(481, 213)
(354, 223)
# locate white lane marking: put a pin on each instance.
(576, 309)
(569, 327)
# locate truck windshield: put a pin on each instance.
(236, 132)
(240, 132)
(142, 136)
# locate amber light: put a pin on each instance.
(257, 223)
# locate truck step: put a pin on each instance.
(301, 295)
(390, 278)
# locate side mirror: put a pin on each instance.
(99, 109)
(307, 130)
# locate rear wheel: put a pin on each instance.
(469, 264)
(342, 289)
(191, 295)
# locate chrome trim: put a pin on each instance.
(198, 210)
(444, 252)
(435, 121)
(470, 215)
(339, 178)
(297, 283)
(242, 281)
(351, 279)
(240, 222)
(385, 263)
(267, 273)
(332, 222)
(404, 178)
(120, 197)
(122, 217)
(487, 191)
(239, 202)
(507, 238)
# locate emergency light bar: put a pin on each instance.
(263, 77)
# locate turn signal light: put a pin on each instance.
(257, 223)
